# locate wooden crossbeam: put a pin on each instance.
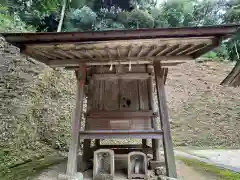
(166, 49)
(76, 54)
(124, 43)
(120, 114)
(120, 76)
(141, 51)
(130, 51)
(121, 134)
(134, 60)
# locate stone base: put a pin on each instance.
(77, 176)
(154, 164)
(160, 171)
(137, 165)
(103, 164)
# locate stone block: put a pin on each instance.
(137, 165)
(103, 164)
(154, 164)
(77, 176)
(160, 171)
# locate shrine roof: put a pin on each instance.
(171, 46)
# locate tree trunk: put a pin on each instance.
(59, 29)
(233, 78)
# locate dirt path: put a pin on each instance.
(189, 173)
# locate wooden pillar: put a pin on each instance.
(97, 143)
(165, 125)
(87, 153)
(76, 122)
(144, 143)
(155, 142)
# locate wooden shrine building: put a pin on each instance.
(116, 70)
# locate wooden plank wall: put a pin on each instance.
(118, 94)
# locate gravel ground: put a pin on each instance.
(202, 112)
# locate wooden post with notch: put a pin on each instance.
(155, 142)
(164, 119)
(76, 122)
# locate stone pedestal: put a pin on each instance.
(155, 164)
(103, 164)
(137, 165)
(77, 176)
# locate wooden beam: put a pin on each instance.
(120, 114)
(97, 143)
(120, 76)
(123, 43)
(166, 49)
(121, 134)
(86, 54)
(165, 73)
(197, 49)
(127, 150)
(215, 43)
(97, 53)
(62, 54)
(144, 143)
(106, 61)
(47, 55)
(141, 51)
(154, 50)
(164, 64)
(121, 146)
(176, 47)
(165, 125)
(76, 54)
(181, 47)
(76, 122)
(155, 142)
(118, 51)
(191, 48)
(129, 51)
(108, 53)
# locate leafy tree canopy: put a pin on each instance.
(81, 15)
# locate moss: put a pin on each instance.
(30, 169)
(222, 173)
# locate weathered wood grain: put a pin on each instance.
(111, 95)
(143, 94)
(163, 112)
(76, 123)
(129, 95)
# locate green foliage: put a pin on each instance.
(90, 15)
(111, 13)
(12, 23)
(143, 4)
(140, 19)
(93, 4)
(223, 174)
(81, 19)
(211, 55)
(107, 24)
